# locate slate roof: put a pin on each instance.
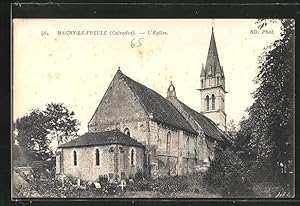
(102, 138)
(212, 61)
(162, 110)
(209, 127)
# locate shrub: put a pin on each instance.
(139, 175)
(228, 175)
(169, 185)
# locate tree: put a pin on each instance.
(36, 130)
(267, 133)
(61, 123)
(228, 174)
(32, 135)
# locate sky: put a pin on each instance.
(72, 61)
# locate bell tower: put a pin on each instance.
(212, 87)
(171, 91)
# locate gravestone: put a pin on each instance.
(123, 185)
(97, 185)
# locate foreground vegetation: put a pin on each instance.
(42, 184)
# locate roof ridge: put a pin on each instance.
(206, 118)
(197, 112)
(114, 136)
(159, 95)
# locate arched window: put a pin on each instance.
(202, 83)
(75, 158)
(168, 142)
(207, 102)
(97, 157)
(132, 157)
(218, 80)
(127, 131)
(213, 99)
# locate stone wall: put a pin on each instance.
(218, 114)
(86, 168)
(182, 147)
(139, 129)
(119, 104)
(199, 143)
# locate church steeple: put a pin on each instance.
(212, 66)
(212, 86)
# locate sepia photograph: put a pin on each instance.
(153, 108)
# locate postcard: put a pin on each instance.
(153, 108)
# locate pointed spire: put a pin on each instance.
(212, 65)
(119, 69)
(202, 71)
(119, 73)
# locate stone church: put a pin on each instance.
(135, 129)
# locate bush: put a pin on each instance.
(228, 175)
(169, 185)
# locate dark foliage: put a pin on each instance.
(35, 131)
(31, 136)
(228, 174)
(266, 136)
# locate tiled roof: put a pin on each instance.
(209, 127)
(102, 138)
(161, 109)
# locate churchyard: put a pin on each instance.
(37, 184)
(44, 185)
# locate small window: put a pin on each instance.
(213, 99)
(202, 83)
(218, 80)
(127, 131)
(207, 102)
(74, 158)
(132, 157)
(168, 142)
(121, 149)
(111, 149)
(97, 157)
